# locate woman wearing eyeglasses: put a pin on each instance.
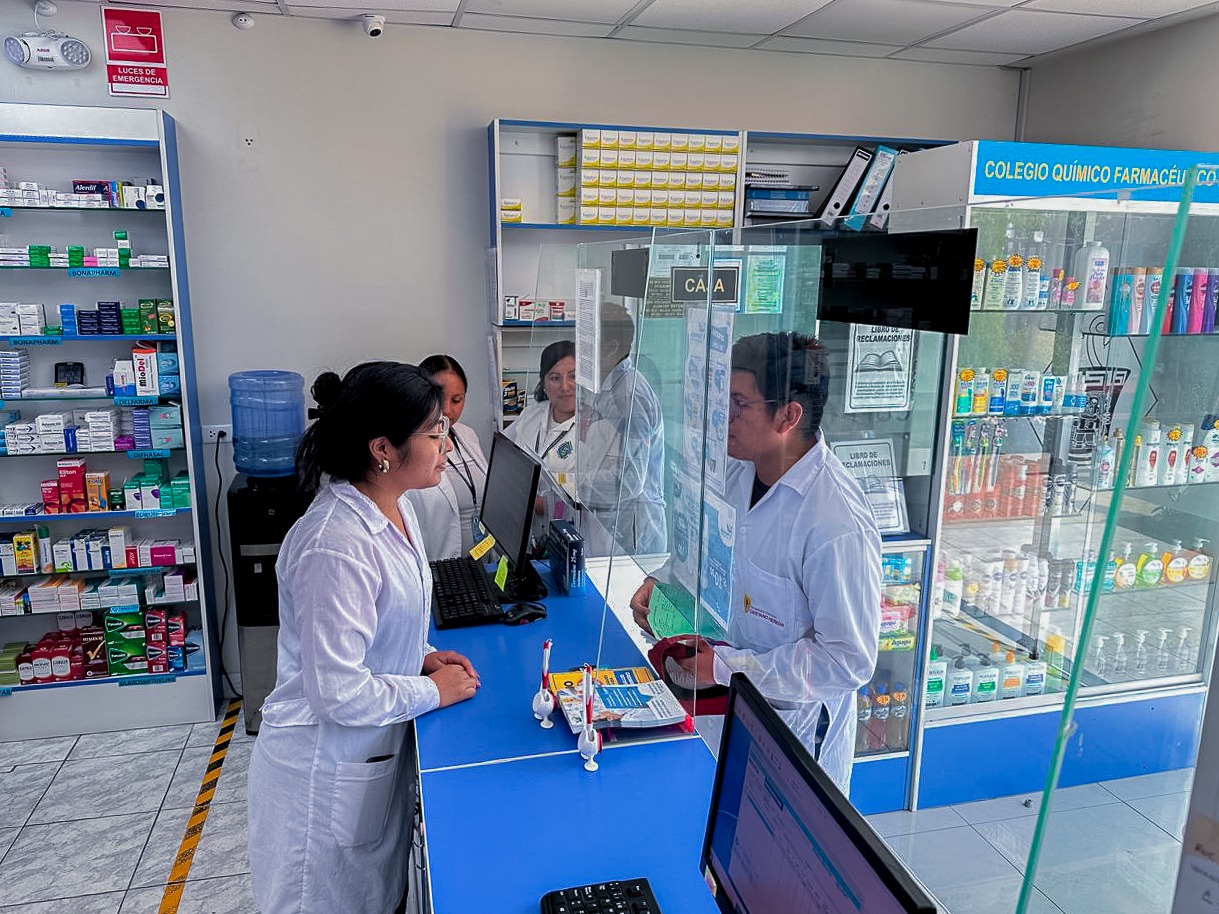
(331, 778)
(449, 512)
(547, 427)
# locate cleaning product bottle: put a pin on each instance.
(996, 280)
(1163, 654)
(1121, 663)
(1100, 658)
(880, 717)
(1176, 564)
(863, 711)
(1034, 677)
(897, 732)
(1011, 682)
(937, 676)
(986, 681)
(1092, 270)
(1200, 562)
(1150, 566)
(1126, 575)
(1187, 657)
(960, 683)
(1140, 653)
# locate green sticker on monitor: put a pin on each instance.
(501, 572)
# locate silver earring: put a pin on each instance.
(384, 467)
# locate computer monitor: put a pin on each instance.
(507, 514)
(782, 837)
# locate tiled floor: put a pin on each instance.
(91, 825)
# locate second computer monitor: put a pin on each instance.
(507, 513)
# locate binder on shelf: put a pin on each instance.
(840, 197)
(879, 218)
(870, 188)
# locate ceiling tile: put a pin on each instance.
(673, 36)
(256, 6)
(884, 21)
(383, 7)
(570, 10)
(530, 26)
(393, 17)
(1141, 9)
(746, 18)
(1030, 32)
(817, 46)
(943, 55)
(995, 4)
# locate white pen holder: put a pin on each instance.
(589, 745)
(543, 707)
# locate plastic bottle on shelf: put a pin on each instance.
(896, 734)
(937, 590)
(1151, 299)
(1055, 660)
(986, 681)
(996, 653)
(996, 281)
(1186, 657)
(1163, 654)
(1176, 564)
(863, 711)
(1092, 271)
(1121, 662)
(1034, 677)
(954, 584)
(979, 285)
(1105, 465)
(1011, 680)
(1200, 562)
(1150, 566)
(880, 716)
(960, 683)
(1126, 576)
(1031, 281)
(1100, 658)
(937, 678)
(1140, 653)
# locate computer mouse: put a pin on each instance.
(524, 613)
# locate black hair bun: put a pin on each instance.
(326, 390)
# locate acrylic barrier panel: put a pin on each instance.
(1147, 630)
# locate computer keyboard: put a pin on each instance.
(630, 896)
(461, 594)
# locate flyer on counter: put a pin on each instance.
(880, 370)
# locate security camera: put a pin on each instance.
(373, 25)
(242, 21)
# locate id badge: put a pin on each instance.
(477, 531)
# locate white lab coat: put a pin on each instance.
(444, 534)
(534, 432)
(331, 791)
(620, 471)
(805, 616)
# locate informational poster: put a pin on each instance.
(871, 461)
(880, 372)
(715, 578)
(694, 383)
(588, 330)
(764, 282)
(719, 375)
(686, 503)
(135, 52)
(1104, 387)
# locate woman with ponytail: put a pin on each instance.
(331, 778)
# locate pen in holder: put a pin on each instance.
(543, 701)
(589, 743)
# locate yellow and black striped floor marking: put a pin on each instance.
(198, 816)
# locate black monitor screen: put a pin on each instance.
(782, 837)
(512, 486)
(916, 280)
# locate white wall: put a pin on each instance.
(335, 194)
(1155, 90)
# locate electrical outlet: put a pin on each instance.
(214, 433)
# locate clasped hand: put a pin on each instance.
(454, 675)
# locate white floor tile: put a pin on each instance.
(997, 897)
(7, 837)
(89, 788)
(1151, 785)
(31, 751)
(1169, 811)
(131, 742)
(107, 903)
(1029, 804)
(952, 858)
(221, 851)
(221, 895)
(888, 824)
(21, 788)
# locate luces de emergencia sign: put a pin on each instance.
(1050, 170)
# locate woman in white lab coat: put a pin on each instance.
(547, 428)
(448, 512)
(804, 607)
(331, 776)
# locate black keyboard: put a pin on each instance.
(461, 594)
(630, 896)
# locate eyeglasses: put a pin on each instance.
(736, 404)
(439, 433)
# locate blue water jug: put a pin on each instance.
(268, 421)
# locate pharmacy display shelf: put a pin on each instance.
(148, 514)
(144, 569)
(99, 609)
(135, 680)
(535, 325)
(54, 339)
(137, 454)
(117, 401)
(594, 227)
(9, 208)
(63, 269)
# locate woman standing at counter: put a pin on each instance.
(331, 780)
(448, 512)
(547, 427)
